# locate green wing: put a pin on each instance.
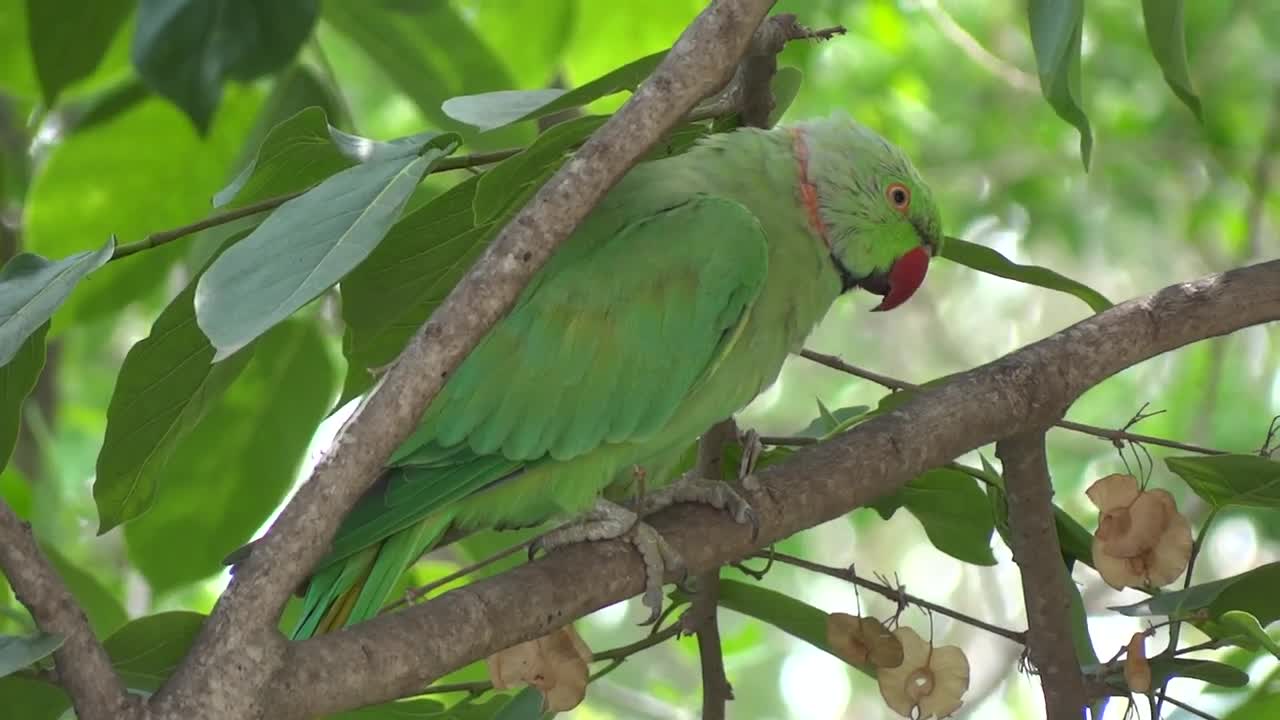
(601, 348)
(610, 340)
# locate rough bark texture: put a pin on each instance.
(1044, 579)
(83, 666)
(1030, 388)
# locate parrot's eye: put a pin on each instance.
(899, 196)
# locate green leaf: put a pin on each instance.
(146, 651)
(165, 387)
(954, 511)
(1167, 36)
(17, 379)
(1252, 591)
(984, 259)
(104, 611)
(524, 705)
(1056, 27)
(388, 296)
(69, 37)
(294, 155)
(32, 699)
(1263, 702)
(796, 618)
(186, 49)
(785, 86)
(17, 652)
(1164, 669)
(32, 288)
(1223, 480)
(429, 52)
(1081, 640)
(412, 708)
(830, 422)
(240, 461)
(307, 245)
(1076, 542)
(167, 185)
(1248, 625)
(506, 107)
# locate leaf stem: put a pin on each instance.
(897, 594)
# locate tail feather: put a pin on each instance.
(356, 588)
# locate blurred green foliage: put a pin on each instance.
(1186, 133)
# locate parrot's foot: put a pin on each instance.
(751, 450)
(691, 489)
(610, 521)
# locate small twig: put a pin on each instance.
(1115, 436)
(414, 594)
(614, 656)
(157, 239)
(1175, 624)
(1261, 185)
(1189, 708)
(1038, 554)
(82, 662)
(897, 595)
(702, 614)
(1265, 450)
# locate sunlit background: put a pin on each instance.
(1167, 199)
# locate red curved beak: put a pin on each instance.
(904, 277)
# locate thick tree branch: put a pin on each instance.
(233, 661)
(1038, 553)
(397, 653)
(84, 669)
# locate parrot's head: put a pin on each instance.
(878, 215)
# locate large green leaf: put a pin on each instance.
(796, 618)
(306, 246)
(165, 387)
(1164, 669)
(105, 612)
(19, 651)
(1223, 480)
(984, 259)
(31, 699)
(142, 171)
(69, 37)
(145, 652)
(237, 465)
(407, 276)
(429, 53)
(1167, 36)
(294, 155)
(1253, 591)
(505, 107)
(954, 511)
(1056, 28)
(187, 49)
(32, 288)
(17, 379)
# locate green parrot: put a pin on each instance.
(671, 307)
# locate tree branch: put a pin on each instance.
(1039, 556)
(84, 669)
(1115, 436)
(396, 654)
(716, 690)
(234, 662)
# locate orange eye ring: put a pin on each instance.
(899, 196)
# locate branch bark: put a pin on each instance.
(231, 666)
(396, 654)
(1039, 556)
(83, 666)
(702, 615)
